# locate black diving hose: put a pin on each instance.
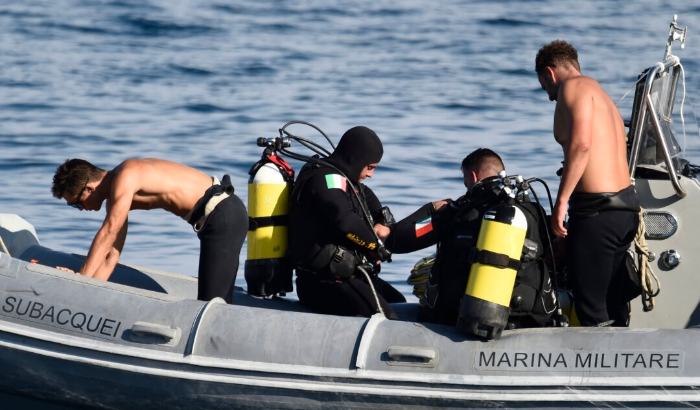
(527, 184)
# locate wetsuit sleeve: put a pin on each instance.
(421, 229)
(330, 194)
(413, 232)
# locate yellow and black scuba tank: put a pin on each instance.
(267, 272)
(485, 306)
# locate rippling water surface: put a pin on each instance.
(197, 81)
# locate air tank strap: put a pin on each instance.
(499, 260)
(264, 221)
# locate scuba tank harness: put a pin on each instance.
(485, 307)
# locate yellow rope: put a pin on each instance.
(645, 271)
(419, 277)
(4, 248)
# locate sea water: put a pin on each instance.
(197, 81)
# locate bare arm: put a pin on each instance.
(576, 116)
(107, 267)
(106, 247)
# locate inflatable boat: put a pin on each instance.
(143, 341)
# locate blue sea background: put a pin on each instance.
(197, 81)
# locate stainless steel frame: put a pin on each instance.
(646, 106)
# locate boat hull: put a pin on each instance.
(62, 383)
(67, 341)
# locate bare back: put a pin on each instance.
(156, 183)
(586, 117)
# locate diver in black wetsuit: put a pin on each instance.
(454, 226)
(330, 233)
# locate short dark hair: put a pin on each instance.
(483, 158)
(558, 52)
(72, 175)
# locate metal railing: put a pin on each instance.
(646, 106)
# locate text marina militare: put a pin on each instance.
(567, 360)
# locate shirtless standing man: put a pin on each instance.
(595, 186)
(215, 212)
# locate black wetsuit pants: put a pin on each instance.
(351, 297)
(596, 248)
(221, 240)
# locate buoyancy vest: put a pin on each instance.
(533, 300)
(311, 232)
(534, 297)
(450, 272)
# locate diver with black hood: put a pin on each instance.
(332, 240)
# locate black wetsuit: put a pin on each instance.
(221, 239)
(601, 229)
(324, 212)
(455, 229)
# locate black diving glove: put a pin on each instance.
(383, 254)
(385, 217)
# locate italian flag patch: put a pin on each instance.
(424, 226)
(335, 181)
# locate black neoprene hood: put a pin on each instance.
(358, 147)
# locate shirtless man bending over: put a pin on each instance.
(595, 185)
(209, 205)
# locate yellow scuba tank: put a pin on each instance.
(269, 189)
(484, 308)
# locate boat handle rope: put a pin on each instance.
(645, 271)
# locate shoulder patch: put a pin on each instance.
(424, 226)
(336, 181)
